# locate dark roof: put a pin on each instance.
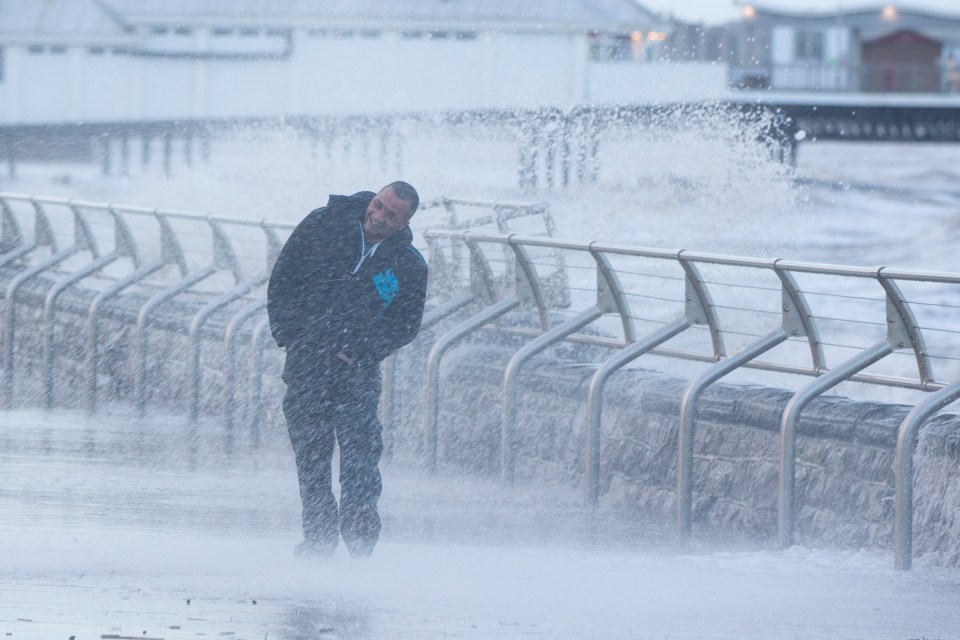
(100, 19)
(111, 18)
(862, 17)
(870, 22)
(77, 18)
(546, 14)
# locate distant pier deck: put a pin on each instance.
(864, 116)
(555, 146)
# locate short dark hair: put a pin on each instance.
(405, 191)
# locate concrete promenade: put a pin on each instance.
(111, 529)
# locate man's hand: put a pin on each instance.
(346, 358)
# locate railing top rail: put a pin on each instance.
(194, 215)
(147, 211)
(779, 264)
(733, 261)
(943, 277)
(439, 202)
(829, 269)
(625, 249)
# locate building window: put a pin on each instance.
(610, 47)
(371, 34)
(35, 49)
(317, 33)
(808, 45)
(158, 31)
(343, 33)
(249, 33)
(58, 50)
(183, 31)
(96, 51)
(438, 34)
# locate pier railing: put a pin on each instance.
(494, 267)
(825, 76)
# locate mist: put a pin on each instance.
(119, 526)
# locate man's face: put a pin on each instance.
(385, 215)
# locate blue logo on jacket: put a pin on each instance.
(387, 286)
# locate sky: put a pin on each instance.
(719, 11)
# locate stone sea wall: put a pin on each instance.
(845, 478)
(845, 448)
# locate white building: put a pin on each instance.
(878, 49)
(119, 60)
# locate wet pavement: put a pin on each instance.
(112, 528)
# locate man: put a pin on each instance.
(348, 289)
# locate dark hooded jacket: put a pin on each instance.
(318, 307)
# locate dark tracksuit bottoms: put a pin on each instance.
(340, 407)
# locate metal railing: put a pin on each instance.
(777, 310)
(165, 255)
(221, 264)
(822, 76)
(833, 323)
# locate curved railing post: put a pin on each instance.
(610, 299)
(230, 372)
(795, 321)
(124, 247)
(11, 237)
(143, 323)
(257, 341)
(388, 396)
(906, 446)
(529, 287)
(83, 241)
(509, 409)
(698, 310)
(688, 409)
(42, 234)
(907, 332)
(610, 294)
(227, 260)
(224, 258)
(170, 253)
(595, 398)
(431, 399)
(194, 338)
(49, 312)
(699, 304)
(798, 318)
(388, 388)
(274, 246)
(788, 430)
(899, 318)
(483, 287)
